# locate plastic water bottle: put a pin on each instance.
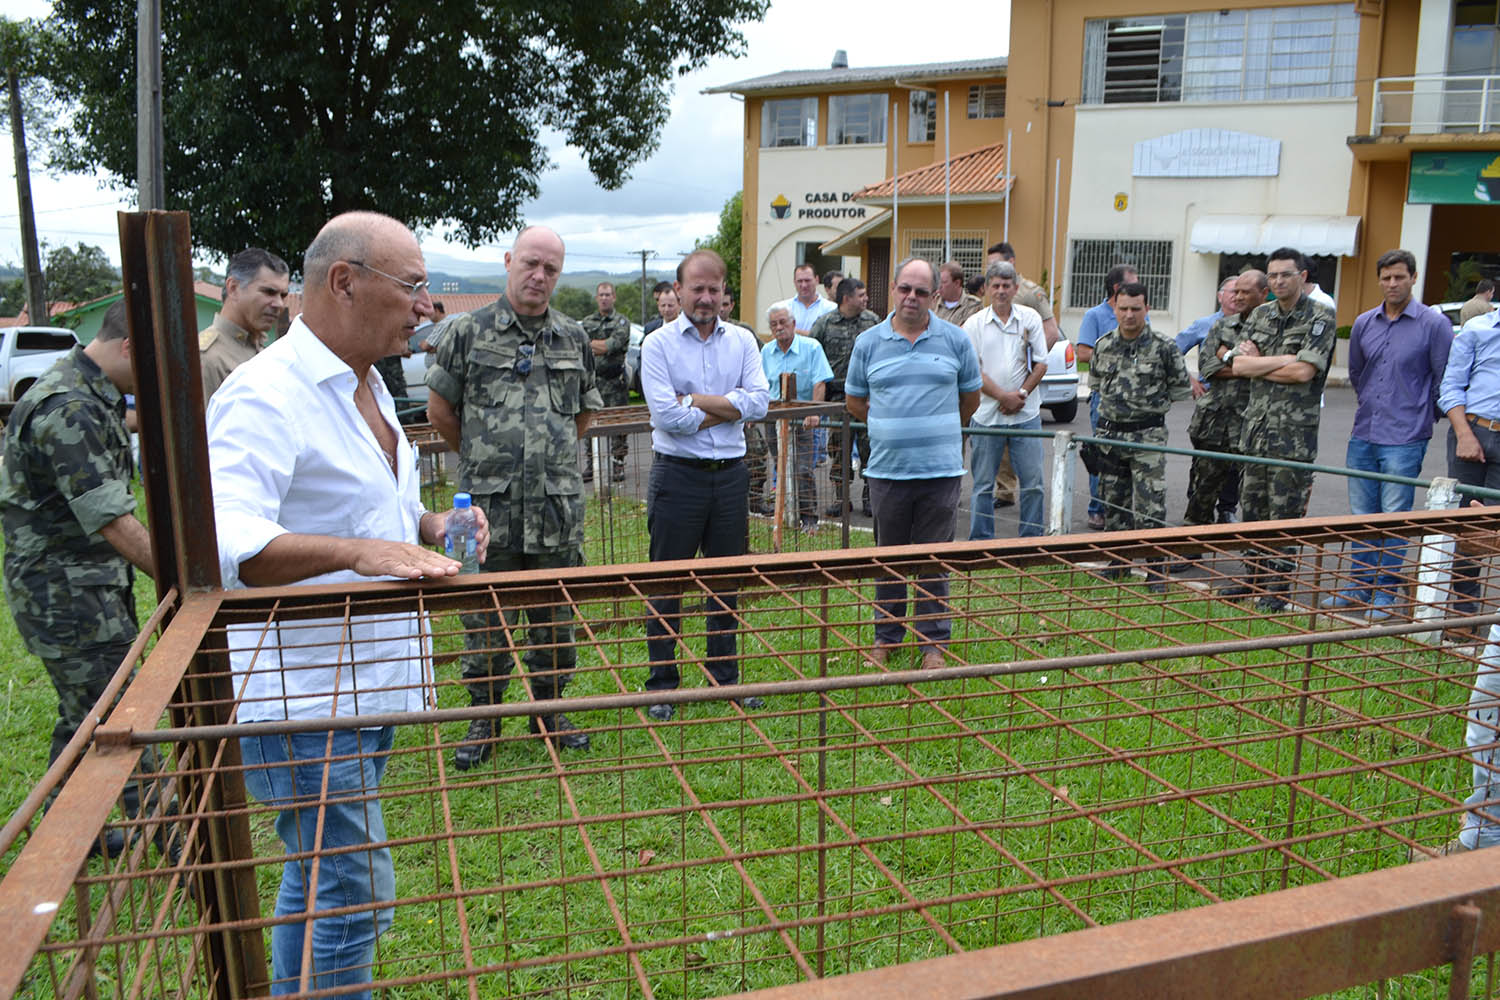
(462, 526)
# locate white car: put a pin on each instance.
(633, 356)
(1059, 386)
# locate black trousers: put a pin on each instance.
(692, 510)
(1487, 473)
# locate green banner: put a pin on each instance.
(1454, 179)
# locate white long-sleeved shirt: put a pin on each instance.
(289, 452)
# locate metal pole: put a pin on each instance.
(947, 182)
(31, 258)
(896, 196)
(1009, 179)
(644, 254)
(148, 135)
(1056, 197)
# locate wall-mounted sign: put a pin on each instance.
(818, 205)
(1207, 152)
(1454, 179)
(1122, 201)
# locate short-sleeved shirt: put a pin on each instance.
(803, 358)
(67, 475)
(1195, 332)
(1096, 323)
(913, 389)
(1307, 333)
(1032, 296)
(966, 306)
(804, 316)
(517, 394)
(1006, 353)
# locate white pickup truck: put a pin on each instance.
(28, 351)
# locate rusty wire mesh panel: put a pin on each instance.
(1094, 752)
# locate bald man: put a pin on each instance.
(512, 389)
(314, 481)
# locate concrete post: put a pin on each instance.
(1064, 451)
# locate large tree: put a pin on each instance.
(79, 274)
(430, 110)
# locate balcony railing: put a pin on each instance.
(1436, 103)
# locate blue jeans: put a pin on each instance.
(1481, 825)
(288, 772)
(1096, 506)
(1026, 457)
(1376, 563)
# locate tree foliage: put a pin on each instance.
(573, 301)
(30, 49)
(78, 274)
(726, 242)
(432, 111)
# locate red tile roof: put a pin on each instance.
(978, 171)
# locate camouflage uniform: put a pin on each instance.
(609, 369)
(518, 456)
(395, 383)
(67, 475)
(1281, 420)
(837, 332)
(223, 347)
(1137, 380)
(1217, 421)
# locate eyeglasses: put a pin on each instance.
(918, 291)
(413, 288)
(1281, 275)
(523, 363)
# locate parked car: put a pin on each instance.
(28, 351)
(633, 357)
(1059, 386)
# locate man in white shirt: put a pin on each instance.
(807, 305)
(1012, 353)
(315, 482)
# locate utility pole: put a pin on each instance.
(152, 189)
(644, 254)
(36, 297)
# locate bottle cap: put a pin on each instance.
(461, 500)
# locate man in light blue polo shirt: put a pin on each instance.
(793, 354)
(914, 380)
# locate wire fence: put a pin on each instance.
(1096, 753)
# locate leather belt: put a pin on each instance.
(1126, 426)
(712, 464)
(1485, 422)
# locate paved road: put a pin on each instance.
(1329, 495)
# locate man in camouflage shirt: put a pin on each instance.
(836, 331)
(1138, 373)
(1219, 414)
(1285, 354)
(609, 337)
(512, 390)
(71, 534)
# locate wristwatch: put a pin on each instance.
(687, 400)
(1023, 392)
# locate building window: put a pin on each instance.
(1223, 55)
(966, 247)
(922, 123)
(1092, 259)
(987, 100)
(790, 122)
(855, 119)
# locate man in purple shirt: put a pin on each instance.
(1397, 353)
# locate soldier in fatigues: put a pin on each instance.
(1137, 373)
(609, 338)
(1285, 355)
(836, 331)
(512, 389)
(1219, 414)
(71, 534)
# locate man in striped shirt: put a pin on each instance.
(914, 379)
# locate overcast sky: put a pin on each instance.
(672, 198)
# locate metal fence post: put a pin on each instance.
(1435, 562)
(1063, 451)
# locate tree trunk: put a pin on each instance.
(36, 298)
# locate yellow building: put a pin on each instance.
(1189, 140)
(817, 139)
(1193, 139)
